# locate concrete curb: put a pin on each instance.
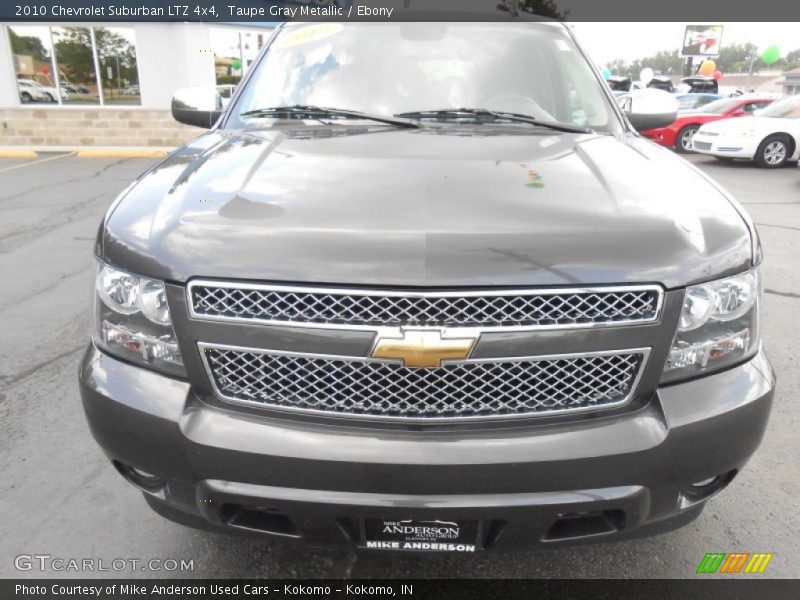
(86, 151)
(12, 153)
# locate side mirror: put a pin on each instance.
(199, 106)
(649, 108)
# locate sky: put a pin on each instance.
(607, 41)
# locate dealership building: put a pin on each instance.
(110, 84)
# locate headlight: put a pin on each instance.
(132, 320)
(719, 326)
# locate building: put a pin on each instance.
(110, 84)
(791, 82)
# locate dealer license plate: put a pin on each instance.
(420, 535)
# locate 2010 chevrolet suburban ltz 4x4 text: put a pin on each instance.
(414, 289)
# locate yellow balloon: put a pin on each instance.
(708, 67)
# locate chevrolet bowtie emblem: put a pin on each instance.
(423, 348)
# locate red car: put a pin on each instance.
(679, 135)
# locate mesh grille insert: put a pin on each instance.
(468, 310)
(467, 389)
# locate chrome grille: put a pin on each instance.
(509, 308)
(363, 387)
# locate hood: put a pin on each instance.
(696, 113)
(427, 207)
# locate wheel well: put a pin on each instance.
(792, 144)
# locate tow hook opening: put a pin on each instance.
(579, 525)
(147, 482)
(705, 488)
(254, 518)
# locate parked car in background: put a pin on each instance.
(699, 84)
(619, 83)
(662, 82)
(694, 102)
(226, 91)
(51, 92)
(679, 134)
(131, 90)
(31, 91)
(771, 137)
(75, 89)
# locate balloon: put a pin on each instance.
(236, 63)
(45, 70)
(606, 73)
(717, 75)
(646, 76)
(771, 54)
(708, 67)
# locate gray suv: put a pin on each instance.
(414, 289)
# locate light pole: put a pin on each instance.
(750, 70)
(119, 83)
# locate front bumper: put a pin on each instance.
(601, 478)
(663, 137)
(718, 145)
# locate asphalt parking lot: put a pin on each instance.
(61, 497)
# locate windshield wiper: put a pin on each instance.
(459, 113)
(300, 111)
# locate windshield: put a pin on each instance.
(392, 69)
(720, 107)
(788, 108)
(688, 102)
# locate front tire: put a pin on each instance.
(773, 152)
(683, 143)
(25, 97)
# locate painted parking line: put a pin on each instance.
(121, 153)
(36, 162)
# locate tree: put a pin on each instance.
(733, 58)
(792, 59)
(74, 54)
(29, 45)
(664, 62)
(114, 51)
(543, 8)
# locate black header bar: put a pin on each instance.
(399, 589)
(255, 11)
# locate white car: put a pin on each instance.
(29, 92)
(33, 91)
(771, 137)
